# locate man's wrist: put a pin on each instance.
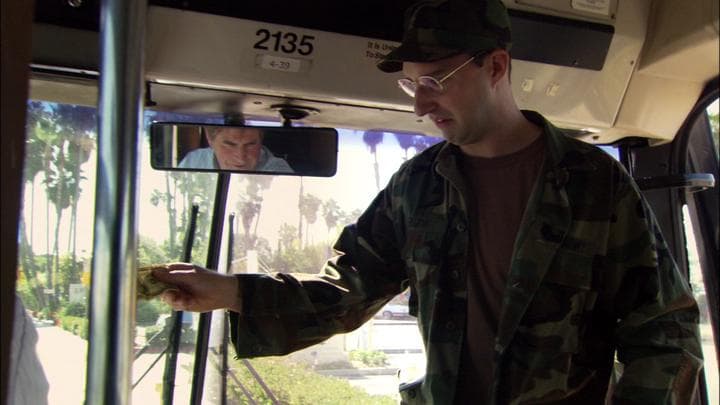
(236, 305)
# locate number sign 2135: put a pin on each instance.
(286, 42)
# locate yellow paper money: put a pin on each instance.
(148, 287)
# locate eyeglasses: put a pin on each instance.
(428, 82)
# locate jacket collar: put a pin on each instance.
(561, 157)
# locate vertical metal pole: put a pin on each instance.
(168, 387)
(112, 296)
(213, 258)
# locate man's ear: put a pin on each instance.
(499, 63)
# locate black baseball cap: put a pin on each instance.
(437, 29)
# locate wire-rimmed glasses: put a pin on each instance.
(430, 83)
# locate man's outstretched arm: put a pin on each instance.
(198, 289)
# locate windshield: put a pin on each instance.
(288, 224)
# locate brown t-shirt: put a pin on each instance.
(500, 189)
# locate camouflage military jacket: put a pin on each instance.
(590, 276)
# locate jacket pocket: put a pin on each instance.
(422, 252)
(542, 362)
(555, 317)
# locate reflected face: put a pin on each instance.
(236, 148)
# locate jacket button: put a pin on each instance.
(450, 325)
(461, 227)
(455, 274)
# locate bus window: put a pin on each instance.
(697, 281)
(698, 287)
(55, 240)
(282, 224)
(55, 248)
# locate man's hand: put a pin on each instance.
(198, 289)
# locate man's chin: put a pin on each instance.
(451, 137)
(450, 133)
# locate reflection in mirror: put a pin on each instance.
(300, 151)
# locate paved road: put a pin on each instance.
(64, 358)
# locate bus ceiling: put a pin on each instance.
(605, 69)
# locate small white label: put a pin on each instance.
(552, 89)
(280, 63)
(527, 85)
(592, 6)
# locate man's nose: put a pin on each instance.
(240, 155)
(424, 102)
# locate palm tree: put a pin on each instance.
(34, 147)
(406, 141)
(309, 205)
(372, 139)
(59, 186)
(47, 139)
(250, 206)
(79, 124)
(331, 213)
(287, 235)
(257, 186)
(74, 126)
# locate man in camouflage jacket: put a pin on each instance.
(589, 278)
(590, 275)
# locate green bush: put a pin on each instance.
(370, 358)
(75, 325)
(78, 309)
(293, 383)
(27, 295)
(147, 312)
(47, 313)
(151, 331)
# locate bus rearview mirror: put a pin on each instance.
(302, 151)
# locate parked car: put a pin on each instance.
(393, 311)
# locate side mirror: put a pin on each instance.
(300, 151)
